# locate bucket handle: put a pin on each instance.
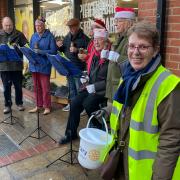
(104, 121)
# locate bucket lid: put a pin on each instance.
(95, 136)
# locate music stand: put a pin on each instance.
(8, 53)
(65, 68)
(36, 60)
(13, 119)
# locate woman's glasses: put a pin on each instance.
(140, 48)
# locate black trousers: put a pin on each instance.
(84, 100)
(9, 78)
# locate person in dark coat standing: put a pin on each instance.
(11, 70)
(72, 42)
(92, 92)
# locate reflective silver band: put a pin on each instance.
(146, 125)
(115, 111)
(138, 155)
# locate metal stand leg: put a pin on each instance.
(71, 152)
(39, 130)
(13, 120)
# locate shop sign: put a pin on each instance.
(103, 9)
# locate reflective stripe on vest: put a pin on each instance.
(141, 154)
(147, 121)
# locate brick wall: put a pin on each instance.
(3, 10)
(173, 36)
(147, 11)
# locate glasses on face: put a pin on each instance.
(119, 20)
(140, 48)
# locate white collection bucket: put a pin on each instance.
(92, 143)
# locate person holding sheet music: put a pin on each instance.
(92, 90)
(11, 70)
(42, 42)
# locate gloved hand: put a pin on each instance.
(90, 88)
(113, 56)
(104, 54)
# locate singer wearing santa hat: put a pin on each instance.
(92, 91)
(96, 24)
(123, 20)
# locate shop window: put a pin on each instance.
(57, 13)
(24, 17)
(103, 9)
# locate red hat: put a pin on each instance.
(127, 13)
(99, 23)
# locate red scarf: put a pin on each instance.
(96, 53)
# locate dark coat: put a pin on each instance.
(98, 75)
(18, 38)
(114, 73)
(80, 40)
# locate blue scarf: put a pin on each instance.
(129, 77)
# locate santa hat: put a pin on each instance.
(99, 23)
(100, 33)
(127, 13)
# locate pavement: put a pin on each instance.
(29, 163)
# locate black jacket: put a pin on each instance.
(15, 37)
(98, 75)
(80, 40)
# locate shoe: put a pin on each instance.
(7, 110)
(66, 139)
(33, 110)
(46, 111)
(20, 107)
(66, 108)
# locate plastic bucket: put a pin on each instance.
(92, 143)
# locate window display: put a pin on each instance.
(24, 17)
(57, 13)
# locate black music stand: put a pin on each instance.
(13, 119)
(65, 68)
(7, 54)
(36, 60)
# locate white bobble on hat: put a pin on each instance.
(100, 33)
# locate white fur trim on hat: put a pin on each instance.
(125, 14)
(100, 33)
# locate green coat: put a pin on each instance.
(114, 74)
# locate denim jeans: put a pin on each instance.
(9, 78)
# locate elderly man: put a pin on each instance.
(92, 92)
(123, 20)
(72, 42)
(11, 71)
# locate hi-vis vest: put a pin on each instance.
(144, 128)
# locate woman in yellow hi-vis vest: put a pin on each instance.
(148, 99)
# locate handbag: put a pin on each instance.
(110, 165)
(109, 168)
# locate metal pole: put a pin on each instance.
(160, 24)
